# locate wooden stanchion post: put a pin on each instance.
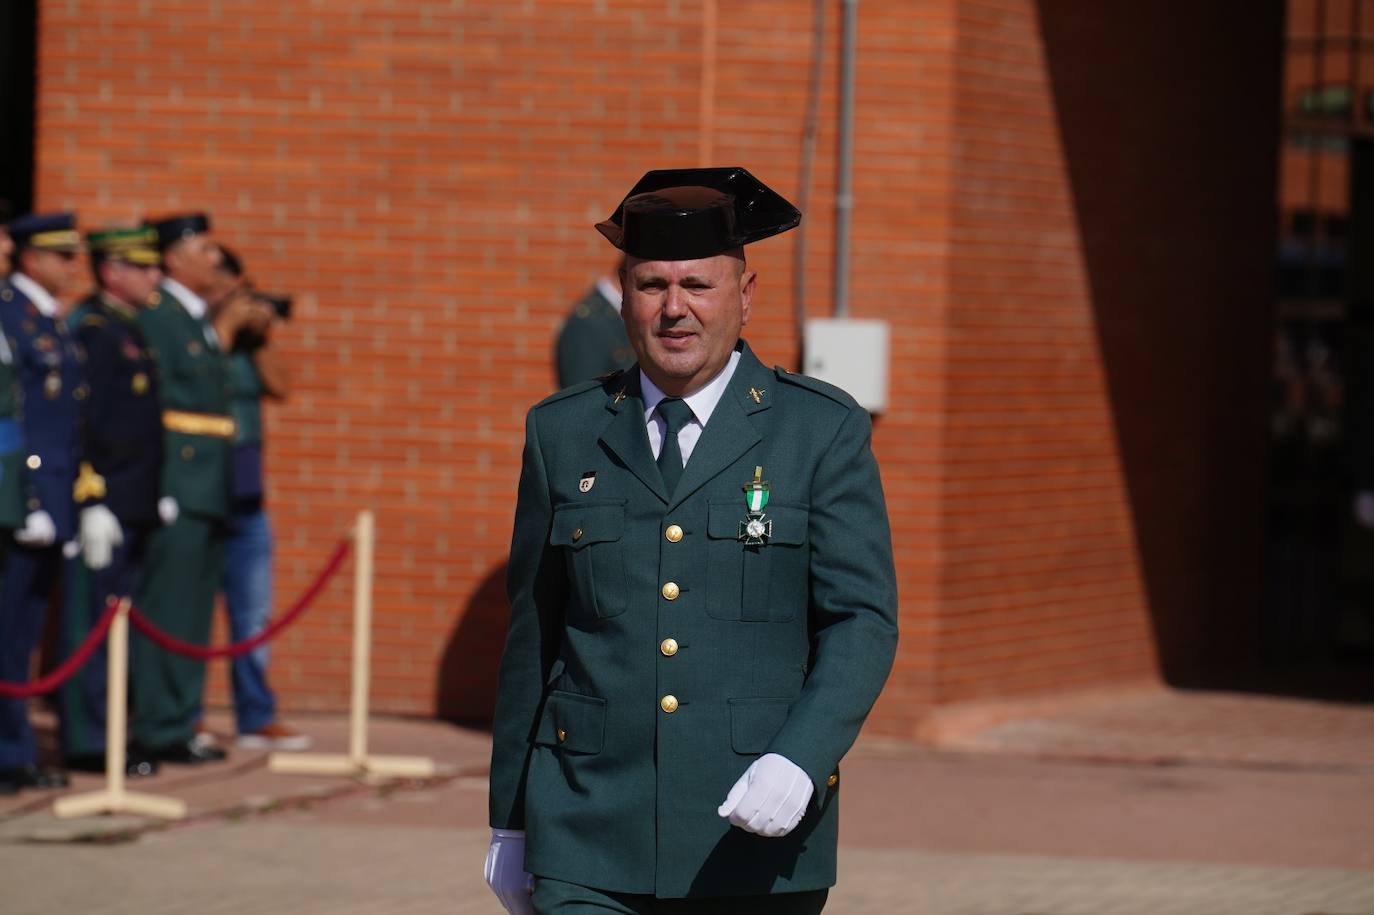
(357, 761)
(114, 799)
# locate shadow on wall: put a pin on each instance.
(465, 689)
(1170, 141)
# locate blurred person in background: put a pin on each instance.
(592, 341)
(246, 321)
(185, 557)
(50, 387)
(120, 480)
(11, 438)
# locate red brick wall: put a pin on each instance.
(425, 176)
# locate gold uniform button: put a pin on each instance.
(673, 533)
(668, 647)
(668, 704)
(34, 462)
(577, 535)
(671, 590)
(187, 452)
(832, 781)
(562, 735)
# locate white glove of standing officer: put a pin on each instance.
(770, 798)
(505, 871)
(168, 510)
(38, 530)
(100, 534)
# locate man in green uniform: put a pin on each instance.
(186, 556)
(703, 600)
(592, 340)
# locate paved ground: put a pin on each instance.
(1004, 825)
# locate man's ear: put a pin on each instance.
(746, 294)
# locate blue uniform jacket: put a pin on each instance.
(122, 429)
(51, 387)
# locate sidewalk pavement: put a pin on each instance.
(1142, 802)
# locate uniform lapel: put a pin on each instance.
(625, 434)
(730, 432)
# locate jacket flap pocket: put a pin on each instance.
(755, 722)
(578, 524)
(723, 518)
(788, 521)
(572, 722)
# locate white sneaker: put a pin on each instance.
(274, 736)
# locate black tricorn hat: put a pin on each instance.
(173, 229)
(677, 214)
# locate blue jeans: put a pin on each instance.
(248, 597)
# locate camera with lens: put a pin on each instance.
(280, 304)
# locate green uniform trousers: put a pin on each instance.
(184, 565)
(556, 897)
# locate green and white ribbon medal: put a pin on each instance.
(755, 529)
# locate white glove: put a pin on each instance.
(168, 510)
(100, 534)
(1364, 508)
(770, 798)
(505, 871)
(38, 530)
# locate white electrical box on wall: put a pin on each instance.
(850, 354)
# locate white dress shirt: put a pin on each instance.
(702, 401)
(40, 297)
(195, 306)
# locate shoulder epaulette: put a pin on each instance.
(815, 385)
(573, 390)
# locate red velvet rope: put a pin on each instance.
(205, 653)
(63, 672)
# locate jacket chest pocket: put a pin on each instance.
(757, 583)
(590, 535)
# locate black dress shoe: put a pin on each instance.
(192, 752)
(136, 765)
(30, 776)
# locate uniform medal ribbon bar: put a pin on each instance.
(756, 528)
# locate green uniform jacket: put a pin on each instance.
(193, 376)
(592, 341)
(780, 648)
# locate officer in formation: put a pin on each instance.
(120, 477)
(49, 386)
(592, 340)
(186, 555)
(703, 600)
(114, 451)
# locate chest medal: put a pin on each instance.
(756, 528)
(587, 482)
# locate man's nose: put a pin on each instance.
(674, 303)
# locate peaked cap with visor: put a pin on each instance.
(679, 214)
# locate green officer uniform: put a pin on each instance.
(185, 559)
(661, 641)
(592, 342)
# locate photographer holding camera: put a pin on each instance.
(245, 320)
